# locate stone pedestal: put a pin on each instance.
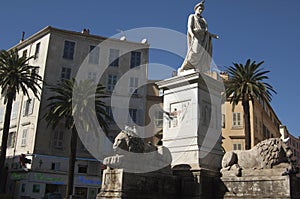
(192, 120)
(265, 183)
(192, 130)
(118, 184)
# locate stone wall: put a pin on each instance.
(268, 183)
(182, 184)
(118, 184)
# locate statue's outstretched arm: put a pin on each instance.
(214, 36)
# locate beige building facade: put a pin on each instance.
(154, 118)
(120, 65)
(293, 142)
(263, 121)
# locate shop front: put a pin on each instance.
(37, 185)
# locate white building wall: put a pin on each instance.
(39, 139)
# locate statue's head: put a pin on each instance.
(199, 5)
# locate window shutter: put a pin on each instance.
(15, 110)
(238, 119)
(30, 106)
(24, 108)
(1, 114)
(24, 137)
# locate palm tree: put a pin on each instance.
(16, 75)
(71, 102)
(245, 83)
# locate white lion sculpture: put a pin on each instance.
(127, 146)
(266, 154)
(128, 140)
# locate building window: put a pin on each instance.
(33, 74)
(69, 50)
(135, 59)
(158, 119)
(133, 85)
(55, 166)
(65, 73)
(24, 53)
(28, 107)
(82, 168)
(114, 57)
(37, 50)
(266, 107)
(92, 76)
(24, 137)
(237, 146)
(15, 110)
(236, 120)
(266, 132)
(132, 115)
(58, 139)
(111, 82)
(11, 139)
(23, 188)
(36, 188)
(1, 114)
(94, 55)
(271, 117)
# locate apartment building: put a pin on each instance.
(154, 118)
(263, 121)
(293, 142)
(61, 54)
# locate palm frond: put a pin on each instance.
(249, 80)
(80, 100)
(16, 75)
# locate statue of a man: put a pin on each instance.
(199, 42)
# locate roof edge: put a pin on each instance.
(49, 29)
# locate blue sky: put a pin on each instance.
(260, 30)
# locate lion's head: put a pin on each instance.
(121, 141)
(128, 141)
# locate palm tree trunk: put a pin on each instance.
(4, 143)
(246, 107)
(72, 158)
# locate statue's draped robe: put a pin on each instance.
(199, 47)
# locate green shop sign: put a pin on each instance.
(18, 176)
(44, 178)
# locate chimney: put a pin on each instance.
(22, 38)
(85, 31)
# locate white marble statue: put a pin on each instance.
(199, 42)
